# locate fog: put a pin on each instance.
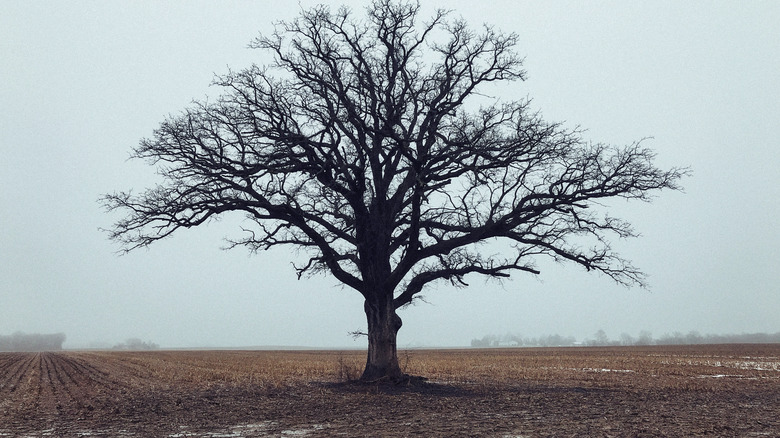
(83, 82)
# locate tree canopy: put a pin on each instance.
(371, 144)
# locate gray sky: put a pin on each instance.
(82, 82)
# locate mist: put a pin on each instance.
(84, 81)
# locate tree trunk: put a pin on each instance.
(383, 325)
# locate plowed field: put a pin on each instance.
(643, 391)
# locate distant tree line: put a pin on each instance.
(20, 341)
(645, 338)
(135, 344)
(510, 340)
(695, 338)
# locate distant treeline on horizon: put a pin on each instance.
(645, 338)
(32, 342)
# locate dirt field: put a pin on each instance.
(648, 391)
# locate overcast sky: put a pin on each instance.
(82, 82)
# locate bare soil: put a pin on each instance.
(643, 391)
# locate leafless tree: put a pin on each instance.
(370, 143)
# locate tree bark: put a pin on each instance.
(383, 326)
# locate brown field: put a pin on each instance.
(728, 390)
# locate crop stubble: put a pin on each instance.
(641, 391)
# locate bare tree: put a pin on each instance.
(370, 144)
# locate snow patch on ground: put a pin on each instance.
(744, 363)
(233, 432)
(244, 430)
(606, 370)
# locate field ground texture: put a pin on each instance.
(718, 390)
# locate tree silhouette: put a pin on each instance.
(370, 144)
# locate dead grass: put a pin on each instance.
(263, 368)
(672, 367)
(643, 391)
(669, 367)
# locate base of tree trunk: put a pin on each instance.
(388, 370)
(382, 354)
